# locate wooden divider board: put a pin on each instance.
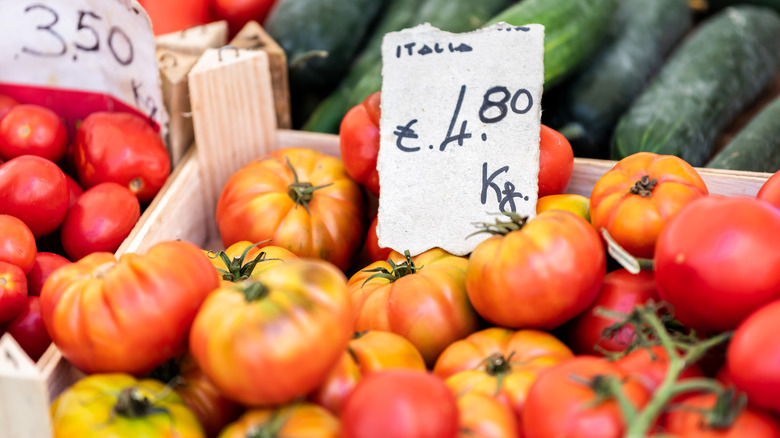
(195, 39)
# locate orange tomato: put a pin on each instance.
(292, 420)
(245, 259)
(485, 417)
(635, 199)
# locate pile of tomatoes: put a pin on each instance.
(64, 196)
(175, 15)
(301, 328)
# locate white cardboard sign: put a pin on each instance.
(101, 46)
(459, 133)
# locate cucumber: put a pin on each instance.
(756, 147)
(711, 6)
(574, 30)
(718, 70)
(320, 37)
(365, 75)
(642, 33)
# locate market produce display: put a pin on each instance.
(647, 307)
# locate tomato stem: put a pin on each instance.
(624, 258)
(131, 403)
(302, 192)
(254, 290)
(644, 187)
(236, 270)
(397, 271)
(515, 223)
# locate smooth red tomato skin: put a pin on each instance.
(74, 190)
(6, 103)
(558, 406)
(770, 190)
(100, 220)
(45, 264)
(174, 15)
(17, 243)
(239, 12)
(689, 423)
(375, 252)
(32, 130)
(621, 292)
(121, 148)
(127, 315)
(556, 162)
(13, 291)
(34, 190)
(717, 260)
(752, 357)
(400, 404)
(29, 330)
(359, 142)
(539, 276)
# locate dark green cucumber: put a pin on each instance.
(711, 6)
(711, 77)
(320, 37)
(573, 31)
(642, 33)
(756, 147)
(365, 75)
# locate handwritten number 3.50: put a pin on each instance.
(53, 18)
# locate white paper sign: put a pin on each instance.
(459, 133)
(101, 46)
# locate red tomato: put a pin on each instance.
(121, 148)
(100, 220)
(45, 264)
(17, 243)
(29, 330)
(13, 291)
(239, 12)
(74, 190)
(375, 252)
(688, 421)
(6, 102)
(752, 357)
(127, 315)
(359, 142)
(32, 130)
(770, 190)
(560, 404)
(174, 15)
(400, 404)
(650, 366)
(556, 162)
(34, 190)
(716, 261)
(517, 280)
(621, 292)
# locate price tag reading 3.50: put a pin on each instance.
(459, 133)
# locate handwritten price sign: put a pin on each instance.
(102, 46)
(459, 133)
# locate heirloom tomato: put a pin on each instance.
(213, 409)
(17, 243)
(6, 103)
(375, 252)
(121, 148)
(245, 259)
(367, 353)
(118, 405)
(13, 291)
(752, 357)
(239, 12)
(621, 292)
(716, 261)
(568, 400)
(127, 315)
(29, 331)
(770, 190)
(300, 199)
(556, 162)
(34, 190)
(45, 264)
(100, 220)
(400, 403)
(483, 416)
(32, 130)
(540, 274)
(422, 299)
(359, 142)
(637, 198)
(704, 416)
(274, 337)
(576, 204)
(302, 420)
(499, 362)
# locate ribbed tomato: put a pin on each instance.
(291, 420)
